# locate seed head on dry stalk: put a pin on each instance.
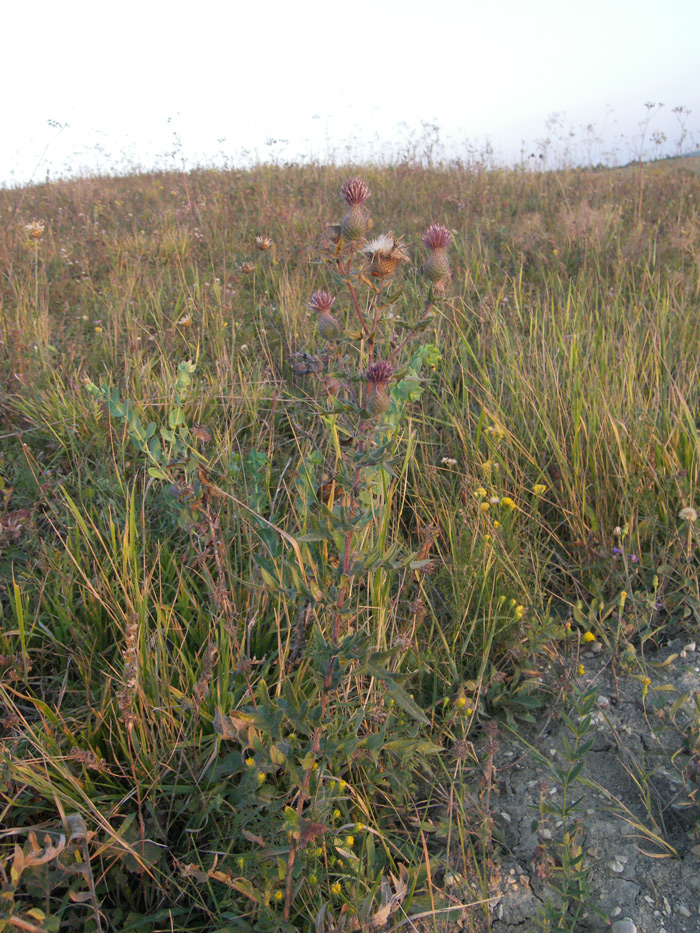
(35, 229)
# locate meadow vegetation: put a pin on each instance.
(272, 564)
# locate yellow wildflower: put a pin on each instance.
(508, 503)
(588, 637)
(539, 489)
(581, 670)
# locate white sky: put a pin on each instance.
(331, 78)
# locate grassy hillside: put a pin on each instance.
(253, 618)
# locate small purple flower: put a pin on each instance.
(355, 192)
(437, 237)
(634, 559)
(618, 552)
(321, 301)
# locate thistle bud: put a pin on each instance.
(437, 238)
(356, 221)
(329, 327)
(321, 302)
(378, 376)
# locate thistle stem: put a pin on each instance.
(353, 296)
(399, 347)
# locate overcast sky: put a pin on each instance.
(106, 87)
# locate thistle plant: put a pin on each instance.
(347, 545)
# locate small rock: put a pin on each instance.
(506, 816)
(667, 907)
(603, 702)
(623, 926)
(691, 646)
(616, 865)
(683, 910)
(616, 912)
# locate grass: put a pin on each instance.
(256, 732)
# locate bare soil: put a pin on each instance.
(638, 823)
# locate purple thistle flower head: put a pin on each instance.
(437, 237)
(355, 192)
(321, 301)
(380, 373)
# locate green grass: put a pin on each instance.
(166, 643)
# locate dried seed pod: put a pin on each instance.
(385, 253)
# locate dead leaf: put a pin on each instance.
(233, 726)
(202, 435)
